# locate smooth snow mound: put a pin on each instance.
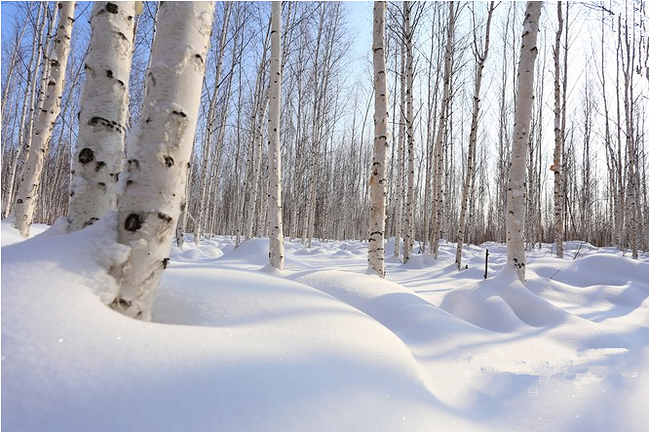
(322, 346)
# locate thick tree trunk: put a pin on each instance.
(159, 151)
(31, 176)
(378, 181)
(104, 112)
(515, 218)
(276, 241)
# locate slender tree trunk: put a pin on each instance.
(441, 134)
(159, 153)
(104, 111)
(378, 181)
(211, 119)
(558, 140)
(516, 191)
(276, 246)
(28, 191)
(410, 201)
(23, 134)
(401, 155)
(481, 58)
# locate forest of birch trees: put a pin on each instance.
(450, 86)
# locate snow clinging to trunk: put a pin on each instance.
(158, 152)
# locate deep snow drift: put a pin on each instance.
(323, 346)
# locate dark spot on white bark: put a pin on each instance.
(121, 304)
(86, 155)
(133, 222)
(111, 7)
(133, 164)
(182, 207)
(109, 73)
(164, 217)
(99, 166)
(198, 56)
(165, 263)
(55, 63)
(169, 161)
(101, 185)
(179, 113)
(19, 201)
(72, 193)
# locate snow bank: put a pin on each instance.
(317, 348)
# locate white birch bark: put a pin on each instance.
(276, 241)
(211, 119)
(410, 200)
(28, 190)
(515, 217)
(159, 151)
(441, 133)
(378, 180)
(23, 136)
(401, 156)
(558, 140)
(256, 138)
(104, 114)
(481, 58)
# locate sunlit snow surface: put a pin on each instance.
(323, 346)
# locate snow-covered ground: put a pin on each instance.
(324, 346)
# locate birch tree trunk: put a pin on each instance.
(159, 152)
(401, 156)
(28, 190)
(104, 114)
(558, 140)
(211, 119)
(441, 133)
(276, 241)
(23, 145)
(481, 58)
(410, 201)
(515, 218)
(378, 181)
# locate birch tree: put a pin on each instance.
(159, 151)
(558, 139)
(104, 114)
(27, 195)
(410, 138)
(441, 132)
(276, 246)
(378, 181)
(515, 217)
(401, 155)
(211, 120)
(26, 120)
(481, 58)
